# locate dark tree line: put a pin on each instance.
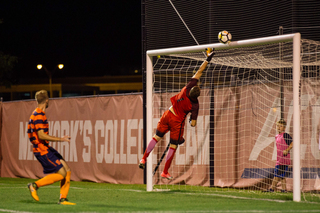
(7, 63)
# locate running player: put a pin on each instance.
(173, 119)
(52, 162)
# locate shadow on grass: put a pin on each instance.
(38, 202)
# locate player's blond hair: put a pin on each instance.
(282, 122)
(195, 92)
(41, 96)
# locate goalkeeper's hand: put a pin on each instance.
(210, 54)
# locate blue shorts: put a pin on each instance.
(50, 161)
(280, 171)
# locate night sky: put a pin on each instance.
(91, 38)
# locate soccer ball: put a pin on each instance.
(224, 37)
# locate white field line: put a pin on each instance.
(214, 211)
(188, 193)
(222, 211)
(14, 211)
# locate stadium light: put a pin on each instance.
(49, 73)
(60, 66)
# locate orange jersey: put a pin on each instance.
(38, 121)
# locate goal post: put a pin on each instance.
(296, 118)
(295, 38)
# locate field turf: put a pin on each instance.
(103, 197)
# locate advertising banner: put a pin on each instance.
(106, 138)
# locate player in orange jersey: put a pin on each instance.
(52, 162)
(173, 119)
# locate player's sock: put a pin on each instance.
(150, 147)
(169, 158)
(65, 185)
(49, 179)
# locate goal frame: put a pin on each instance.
(295, 38)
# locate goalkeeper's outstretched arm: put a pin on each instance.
(198, 74)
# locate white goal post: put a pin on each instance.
(295, 38)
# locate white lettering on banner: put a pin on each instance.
(205, 142)
(191, 141)
(113, 141)
(109, 142)
(115, 136)
(25, 146)
(23, 142)
(123, 157)
(50, 132)
(99, 126)
(264, 141)
(202, 155)
(120, 141)
(196, 144)
(64, 150)
(73, 134)
(131, 141)
(86, 153)
(56, 133)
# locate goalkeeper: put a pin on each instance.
(173, 119)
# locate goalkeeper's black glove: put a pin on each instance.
(210, 55)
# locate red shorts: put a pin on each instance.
(170, 122)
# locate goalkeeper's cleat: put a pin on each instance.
(65, 201)
(142, 164)
(166, 176)
(33, 191)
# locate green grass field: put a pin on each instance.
(103, 197)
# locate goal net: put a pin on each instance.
(247, 87)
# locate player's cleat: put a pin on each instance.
(142, 164)
(166, 176)
(284, 191)
(65, 201)
(270, 190)
(33, 190)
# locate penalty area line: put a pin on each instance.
(13, 211)
(235, 197)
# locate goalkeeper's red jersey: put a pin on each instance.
(38, 121)
(182, 103)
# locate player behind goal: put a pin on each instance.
(173, 119)
(284, 145)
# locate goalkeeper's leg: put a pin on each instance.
(162, 129)
(175, 140)
(151, 145)
(170, 155)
